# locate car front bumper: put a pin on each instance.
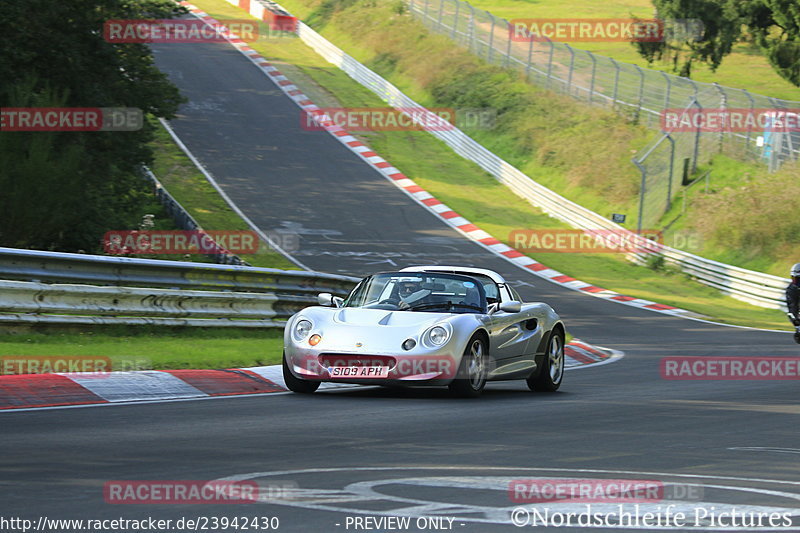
(435, 368)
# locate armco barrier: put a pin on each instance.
(53, 287)
(183, 219)
(757, 288)
(57, 267)
(760, 289)
(22, 301)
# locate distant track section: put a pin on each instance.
(756, 288)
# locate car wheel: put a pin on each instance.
(552, 373)
(295, 384)
(471, 377)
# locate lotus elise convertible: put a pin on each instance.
(425, 326)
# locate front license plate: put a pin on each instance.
(359, 372)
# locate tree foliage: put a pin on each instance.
(775, 26)
(719, 28)
(63, 190)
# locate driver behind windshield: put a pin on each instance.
(411, 292)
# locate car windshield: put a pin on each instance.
(489, 286)
(419, 291)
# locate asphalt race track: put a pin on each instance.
(339, 455)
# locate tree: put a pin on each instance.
(63, 190)
(775, 26)
(720, 23)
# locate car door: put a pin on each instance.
(514, 337)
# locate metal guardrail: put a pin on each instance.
(757, 288)
(54, 287)
(183, 219)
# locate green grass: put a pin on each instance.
(745, 219)
(140, 347)
(193, 191)
(582, 153)
(744, 68)
(153, 348)
(460, 184)
(496, 210)
(537, 131)
(470, 191)
(145, 347)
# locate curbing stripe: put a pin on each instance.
(136, 386)
(45, 390)
(54, 390)
(226, 382)
(578, 356)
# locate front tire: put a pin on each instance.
(295, 384)
(552, 373)
(471, 377)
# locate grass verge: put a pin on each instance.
(141, 347)
(193, 191)
(146, 347)
(741, 216)
(581, 152)
(475, 194)
(745, 68)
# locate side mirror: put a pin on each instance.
(511, 307)
(325, 299)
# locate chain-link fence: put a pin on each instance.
(641, 93)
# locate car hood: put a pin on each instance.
(381, 317)
(379, 331)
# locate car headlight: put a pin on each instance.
(301, 329)
(438, 335)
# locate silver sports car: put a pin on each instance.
(425, 326)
